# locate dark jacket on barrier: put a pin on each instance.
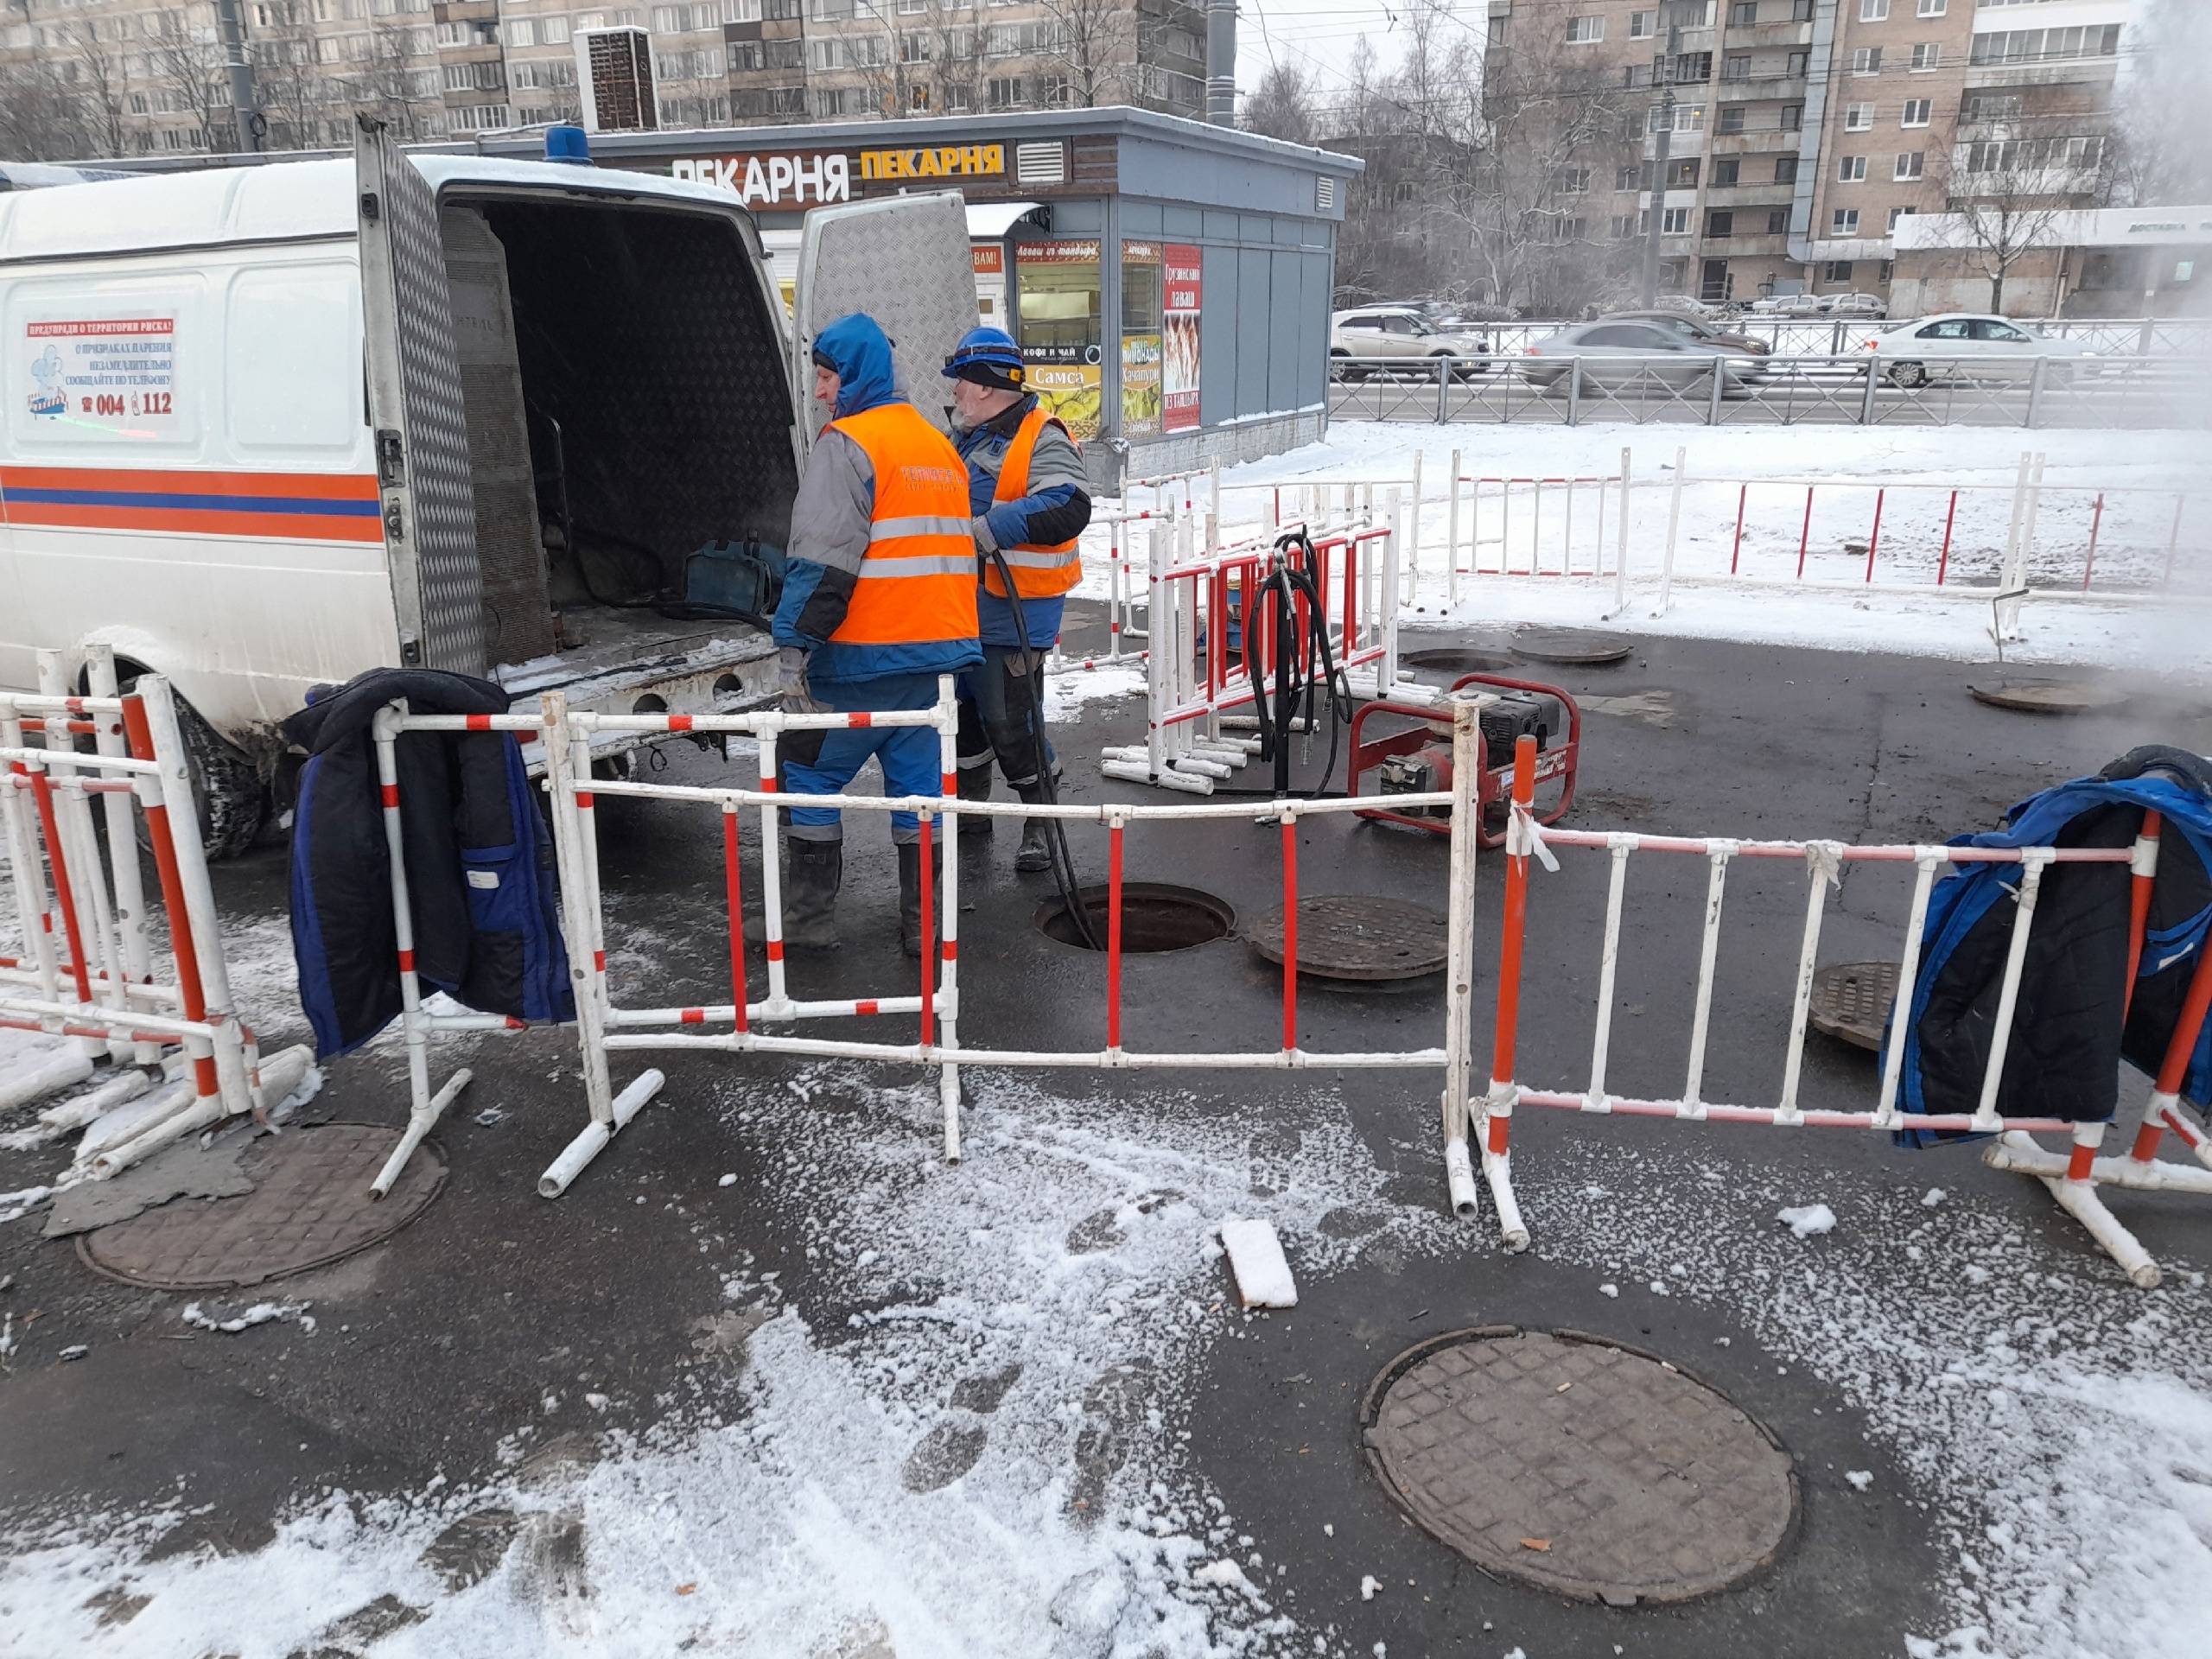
(479, 864)
(2073, 1021)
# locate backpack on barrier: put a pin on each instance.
(2073, 1023)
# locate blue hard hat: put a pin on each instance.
(989, 358)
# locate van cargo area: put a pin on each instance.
(627, 402)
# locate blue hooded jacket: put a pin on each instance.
(831, 521)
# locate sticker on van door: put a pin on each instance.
(111, 374)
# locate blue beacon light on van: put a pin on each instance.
(570, 144)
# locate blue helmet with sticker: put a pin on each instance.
(989, 358)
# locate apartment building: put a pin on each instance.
(1801, 131)
(90, 78)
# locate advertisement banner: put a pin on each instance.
(117, 374)
(1179, 381)
(1141, 338)
(1059, 331)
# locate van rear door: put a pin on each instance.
(415, 411)
(905, 260)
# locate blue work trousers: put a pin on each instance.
(823, 763)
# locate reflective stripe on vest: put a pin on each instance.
(1039, 571)
(918, 583)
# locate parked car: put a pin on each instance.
(1969, 345)
(1615, 353)
(1692, 328)
(1402, 331)
(1823, 305)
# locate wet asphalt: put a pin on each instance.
(435, 1344)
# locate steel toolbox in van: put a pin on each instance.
(267, 426)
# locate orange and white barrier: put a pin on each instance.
(88, 968)
(2072, 1178)
(605, 1028)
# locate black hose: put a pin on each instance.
(1283, 585)
(1056, 840)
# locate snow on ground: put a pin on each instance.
(829, 1488)
(2138, 473)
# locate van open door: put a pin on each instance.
(904, 260)
(416, 412)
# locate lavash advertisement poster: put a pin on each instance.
(1184, 290)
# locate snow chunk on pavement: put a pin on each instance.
(1255, 1257)
(1933, 1196)
(259, 1314)
(1860, 1480)
(1805, 1219)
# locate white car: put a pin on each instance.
(1968, 346)
(1400, 331)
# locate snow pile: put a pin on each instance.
(259, 1314)
(1263, 1277)
(1807, 1219)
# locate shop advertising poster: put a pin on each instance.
(1141, 338)
(1185, 288)
(1059, 332)
(115, 374)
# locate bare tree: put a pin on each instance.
(2008, 183)
(1095, 47)
(100, 69)
(189, 65)
(1283, 106)
(42, 117)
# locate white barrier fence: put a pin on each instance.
(604, 1027)
(89, 969)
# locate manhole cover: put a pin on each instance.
(2040, 697)
(1346, 936)
(1448, 660)
(1155, 916)
(1570, 645)
(1572, 1463)
(1850, 1000)
(309, 1205)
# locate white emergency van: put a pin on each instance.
(267, 426)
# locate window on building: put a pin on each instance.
(1836, 270)
(2046, 45)
(1675, 221)
(1732, 118)
(1584, 31)
(1928, 55)
(1934, 7)
(1918, 112)
(1726, 169)
(1844, 222)
(1888, 270)
(1897, 213)
(1858, 117)
(1785, 169)
(1801, 11)
(1003, 92)
(1720, 222)
(1628, 178)
(1993, 107)
(668, 19)
(1866, 60)
(522, 32)
(1851, 169)
(1736, 69)
(747, 55)
(1873, 11)
(1692, 68)
(1794, 65)
(1683, 175)
(1573, 180)
(1912, 167)
(1792, 116)
(831, 100)
(1743, 13)
(1777, 221)
(786, 54)
(1641, 23)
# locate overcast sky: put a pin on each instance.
(1321, 34)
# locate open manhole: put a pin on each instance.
(2033, 695)
(310, 1205)
(1155, 916)
(1589, 1469)
(1356, 937)
(1571, 645)
(1447, 660)
(1850, 1001)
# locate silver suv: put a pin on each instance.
(1400, 330)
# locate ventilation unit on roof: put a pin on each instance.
(1044, 163)
(614, 77)
(1324, 194)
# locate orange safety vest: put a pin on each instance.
(1039, 572)
(918, 583)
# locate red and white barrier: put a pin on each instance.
(605, 1028)
(2074, 1178)
(88, 969)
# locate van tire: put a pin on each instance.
(232, 801)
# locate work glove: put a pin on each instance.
(791, 682)
(986, 544)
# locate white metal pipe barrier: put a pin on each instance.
(88, 967)
(604, 1027)
(2074, 1180)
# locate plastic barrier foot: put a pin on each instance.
(2018, 1151)
(1459, 1179)
(418, 1125)
(1512, 1231)
(587, 1146)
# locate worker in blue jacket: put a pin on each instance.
(1031, 499)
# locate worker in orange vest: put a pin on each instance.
(878, 599)
(1031, 498)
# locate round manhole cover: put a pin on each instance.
(1344, 936)
(1589, 1469)
(1570, 645)
(2044, 696)
(1850, 1001)
(309, 1205)
(1447, 661)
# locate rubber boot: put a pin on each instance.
(974, 783)
(813, 870)
(910, 895)
(1032, 854)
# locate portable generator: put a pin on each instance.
(1417, 760)
(1427, 770)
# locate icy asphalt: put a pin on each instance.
(856, 1403)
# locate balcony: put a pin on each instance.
(1788, 87)
(1769, 34)
(2065, 72)
(1769, 141)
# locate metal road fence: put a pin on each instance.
(1826, 388)
(1815, 336)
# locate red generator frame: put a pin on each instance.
(1495, 784)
